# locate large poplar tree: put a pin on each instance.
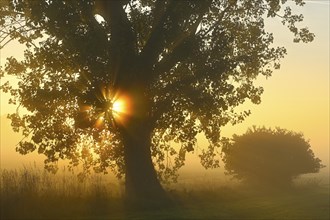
(110, 84)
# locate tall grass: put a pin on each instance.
(32, 193)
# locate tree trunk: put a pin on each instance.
(141, 183)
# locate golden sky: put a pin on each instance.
(296, 97)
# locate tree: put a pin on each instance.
(110, 84)
(270, 157)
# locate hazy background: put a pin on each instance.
(296, 97)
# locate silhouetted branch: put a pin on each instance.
(155, 43)
(219, 19)
(179, 46)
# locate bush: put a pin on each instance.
(269, 157)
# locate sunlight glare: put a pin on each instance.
(118, 106)
(99, 122)
(99, 18)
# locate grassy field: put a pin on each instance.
(30, 193)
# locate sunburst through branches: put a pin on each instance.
(110, 108)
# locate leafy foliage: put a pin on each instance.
(269, 156)
(194, 60)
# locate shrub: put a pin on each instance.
(271, 157)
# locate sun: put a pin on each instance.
(112, 109)
(117, 109)
(118, 106)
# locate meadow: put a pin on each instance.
(31, 193)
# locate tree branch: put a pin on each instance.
(122, 42)
(181, 46)
(219, 20)
(156, 41)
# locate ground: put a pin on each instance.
(30, 194)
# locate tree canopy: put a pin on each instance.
(182, 65)
(271, 157)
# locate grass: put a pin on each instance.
(31, 193)
(248, 204)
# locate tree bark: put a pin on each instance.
(132, 75)
(141, 183)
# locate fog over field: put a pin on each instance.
(107, 97)
(191, 174)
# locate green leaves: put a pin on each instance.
(194, 61)
(25, 147)
(269, 156)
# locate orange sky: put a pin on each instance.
(296, 97)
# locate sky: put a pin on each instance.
(296, 97)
